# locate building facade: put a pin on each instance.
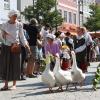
(22, 4)
(5, 7)
(97, 1)
(68, 10)
(83, 9)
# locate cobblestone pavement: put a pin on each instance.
(34, 89)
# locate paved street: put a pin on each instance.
(33, 89)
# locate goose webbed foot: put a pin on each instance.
(94, 88)
(50, 90)
(67, 86)
(75, 87)
(75, 84)
(60, 88)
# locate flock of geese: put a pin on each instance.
(59, 77)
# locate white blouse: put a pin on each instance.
(14, 33)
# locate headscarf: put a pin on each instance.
(51, 36)
(13, 12)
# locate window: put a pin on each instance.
(74, 18)
(70, 17)
(65, 16)
(6, 4)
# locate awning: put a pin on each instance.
(65, 27)
(95, 34)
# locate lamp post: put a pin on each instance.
(33, 4)
(33, 7)
(56, 11)
(80, 9)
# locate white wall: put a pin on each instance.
(13, 4)
(21, 6)
(3, 12)
(25, 3)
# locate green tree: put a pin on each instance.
(93, 22)
(28, 12)
(44, 11)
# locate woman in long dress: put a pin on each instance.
(80, 46)
(12, 31)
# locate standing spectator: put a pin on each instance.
(12, 31)
(97, 52)
(44, 31)
(93, 52)
(33, 32)
(97, 48)
(69, 40)
(24, 58)
(62, 38)
(39, 53)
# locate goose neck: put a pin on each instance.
(47, 67)
(57, 65)
(47, 63)
(74, 66)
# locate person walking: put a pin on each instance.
(12, 33)
(89, 43)
(80, 47)
(52, 47)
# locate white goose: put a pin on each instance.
(77, 75)
(48, 76)
(62, 77)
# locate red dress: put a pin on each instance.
(65, 64)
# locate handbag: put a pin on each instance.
(15, 48)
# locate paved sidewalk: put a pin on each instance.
(34, 89)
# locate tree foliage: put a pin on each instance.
(93, 22)
(44, 11)
(96, 79)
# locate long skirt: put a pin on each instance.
(9, 64)
(81, 59)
